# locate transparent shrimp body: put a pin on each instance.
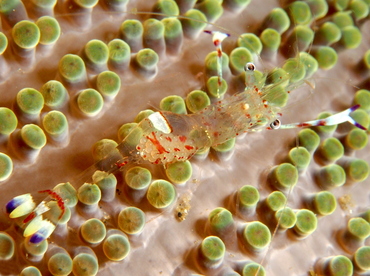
(166, 137)
(240, 113)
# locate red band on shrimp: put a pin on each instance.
(182, 138)
(29, 217)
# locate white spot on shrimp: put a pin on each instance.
(159, 122)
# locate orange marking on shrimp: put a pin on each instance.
(182, 138)
(157, 144)
(322, 123)
(121, 164)
(190, 156)
(219, 52)
(307, 125)
(188, 147)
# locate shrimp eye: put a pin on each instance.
(275, 124)
(249, 67)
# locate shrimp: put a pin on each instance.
(167, 137)
(164, 138)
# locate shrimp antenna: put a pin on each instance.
(335, 119)
(217, 38)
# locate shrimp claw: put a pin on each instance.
(335, 119)
(217, 38)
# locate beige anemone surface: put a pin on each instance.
(166, 246)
